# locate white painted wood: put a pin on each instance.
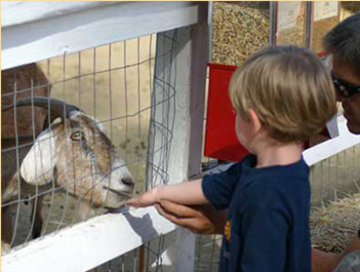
(187, 73)
(185, 251)
(34, 31)
(39, 32)
(332, 147)
(24, 12)
(333, 127)
(29, 35)
(88, 244)
(171, 135)
(185, 240)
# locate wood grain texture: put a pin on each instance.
(39, 32)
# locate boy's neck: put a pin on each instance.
(278, 154)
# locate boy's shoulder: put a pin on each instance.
(266, 187)
(277, 182)
(279, 178)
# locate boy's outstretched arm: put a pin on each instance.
(187, 193)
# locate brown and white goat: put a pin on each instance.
(76, 155)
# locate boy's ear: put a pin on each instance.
(254, 120)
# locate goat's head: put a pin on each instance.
(76, 155)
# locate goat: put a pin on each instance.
(74, 154)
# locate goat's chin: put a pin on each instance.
(114, 201)
(115, 207)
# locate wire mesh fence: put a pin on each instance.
(118, 85)
(160, 135)
(127, 92)
(112, 84)
(331, 179)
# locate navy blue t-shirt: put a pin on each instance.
(268, 216)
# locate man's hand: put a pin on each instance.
(202, 219)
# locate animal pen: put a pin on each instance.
(133, 76)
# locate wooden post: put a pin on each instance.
(178, 99)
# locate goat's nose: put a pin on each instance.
(128, 182)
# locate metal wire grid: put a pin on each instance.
(336, 177)
(148, 257)
(162, 122)
(349, 156)
(330, 179)
(121, 74)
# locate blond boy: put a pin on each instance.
(282, 96)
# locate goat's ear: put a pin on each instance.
(38, 165)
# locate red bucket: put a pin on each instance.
(220, 139)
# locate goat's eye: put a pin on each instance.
(76, 136)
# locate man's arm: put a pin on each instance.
(327, 262)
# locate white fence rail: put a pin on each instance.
(334, 146)
(88, 244)
(34, 31)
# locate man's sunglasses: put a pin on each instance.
(344, 88)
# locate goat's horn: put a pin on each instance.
(57, 107)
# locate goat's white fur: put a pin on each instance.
(38, 165)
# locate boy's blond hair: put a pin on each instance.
(288, 88)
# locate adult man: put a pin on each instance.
(343, 43)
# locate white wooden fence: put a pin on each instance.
(34, 31)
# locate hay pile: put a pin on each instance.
(333, 226)
(239, 30)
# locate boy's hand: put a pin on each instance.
(146, 199)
